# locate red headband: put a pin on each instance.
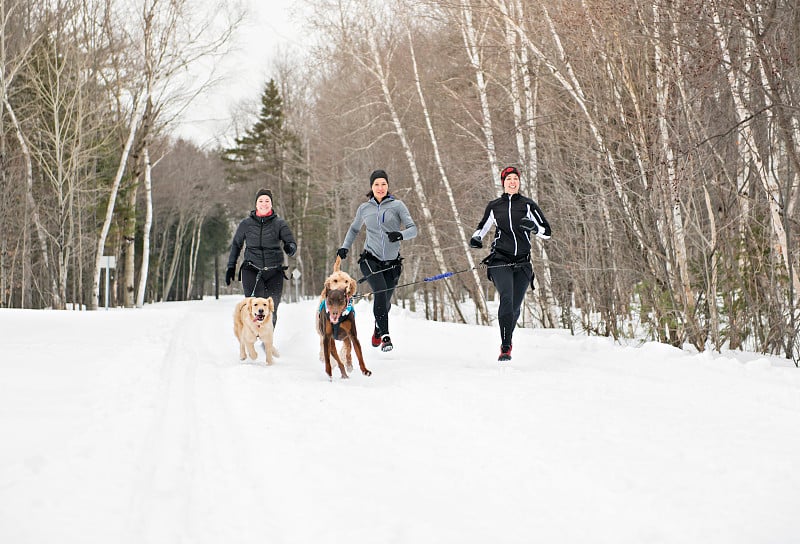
(506, 171)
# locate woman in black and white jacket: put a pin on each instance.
(515, 218)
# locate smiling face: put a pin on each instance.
(511, 184)
(380, 188)
(263, 205)
(260, 308)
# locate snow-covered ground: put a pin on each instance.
(142, 426)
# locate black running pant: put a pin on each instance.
(382, 285)
(511, 283)
(270, 284)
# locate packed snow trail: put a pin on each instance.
(142, 426)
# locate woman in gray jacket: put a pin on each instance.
(387, 222)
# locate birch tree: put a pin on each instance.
(740, 88)
(523, 100)
(362, 46)
(480, 300)
(672, 190)
(474, 50)
(10, 68)
(135, 120)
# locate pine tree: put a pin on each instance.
(258, 156)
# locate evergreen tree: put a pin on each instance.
(258, 156)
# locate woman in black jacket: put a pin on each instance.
(261, 233)
(515, 218)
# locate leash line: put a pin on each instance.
(260, 272)
(429, 279)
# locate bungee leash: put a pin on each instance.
(260, 272)
(429, 279)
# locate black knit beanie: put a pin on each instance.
(264, 192)
(377, 174)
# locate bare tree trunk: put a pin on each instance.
(380, 74)
(41, 232)
(530, 89)
(177, 248)
(128, 249)
(479, 300)
(136, 118)
(144, 269)
(678, 239)
(518, 68)
(473, 49)
(194, 250)
(740, 87)
(515, 67)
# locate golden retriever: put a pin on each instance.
(252, 319)
(336, 321)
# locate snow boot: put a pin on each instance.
(386, 343)
(505, 353)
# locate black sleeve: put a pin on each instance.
(236, 245)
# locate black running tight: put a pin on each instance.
(511, 284)
(382, 285)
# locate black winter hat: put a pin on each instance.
(506, 171)
(377, 174)
(264, 192)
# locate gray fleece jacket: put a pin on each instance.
(380, 218)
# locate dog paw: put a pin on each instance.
(366, 372)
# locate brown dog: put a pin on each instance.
(252, 319)
(336, 320)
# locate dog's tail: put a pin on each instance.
(337, 264)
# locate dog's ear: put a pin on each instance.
(352, 287)
(271, 304)
(249, 304)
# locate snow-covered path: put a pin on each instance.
(142, 426)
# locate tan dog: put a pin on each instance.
(339, 280)
(252, 319)
(337, 321)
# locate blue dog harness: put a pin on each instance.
(324, 306)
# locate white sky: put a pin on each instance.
(143, 427)
(271, 25)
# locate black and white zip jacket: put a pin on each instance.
(505, 214)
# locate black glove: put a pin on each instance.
(394, 236)
(229, 274)
(475, 242)
(529, 225)
(290, 249)
(342, 253)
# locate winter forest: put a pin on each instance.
(661, 138)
